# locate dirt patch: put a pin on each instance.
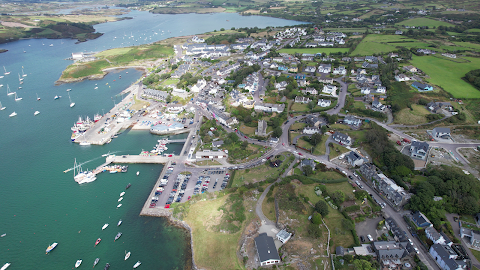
(419, 163)
(473, 156)
(14, 24)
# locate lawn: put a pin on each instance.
(424, 22)
(369, 48)
(86, 69)
(256, 174)
(297, 126)
(313, 50)
(268, 209)
(376, 43)
(418, 178)
(345, 187)
(320, 149)
(337, 150)
(448, 74)
(339, 126)
(249, 131)
(299, 107)
(170, 81)
(412, 117)
(221, 246)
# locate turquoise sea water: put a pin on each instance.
(39, 204)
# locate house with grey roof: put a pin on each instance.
(300, 99)
(262, 128)
(389, 188)
(283, 236)
(377, 106)
(342, 138)
(354, 159)
(434, 235)
(308, 162)
(446, 257)
(421, 220)
(441, 132)
(473, 237)
(419, 150)
(352, 120)
(389, 250)
(266, 250)
(217, 143)
(311, 130)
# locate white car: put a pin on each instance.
(370, 238)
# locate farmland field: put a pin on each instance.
(448, 74)
(368, 48)
(423, 22)
(374, 43)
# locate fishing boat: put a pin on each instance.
(17, 98)
(82, 177)
(106, 266)
(117, 236)
(36, 113)
(77, 264)
(51, 247)
(96, 261)
(120, 199)
(123, 193)
(51, 45)
(20, 79)
(37, 96)
(71, 103)
(119, 223)
(98, 241)
(96, 117)
(137, 264)
(6, 72)
(127, 255)
(5, 266)
(8, 91)
(1, 107)
(119, 205)
(105, 226)
(129, 185)
(13, 114)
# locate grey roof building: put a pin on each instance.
(419, 149)
(389, 250)
(441, 132)
(342, 138)
(354, 159)
(283, 236)
(266, 250)
(421, 220)
(352, 120)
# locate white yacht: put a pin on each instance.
(77, 264)
(36, 113)
(17, 98)
(13, 114)
(1, 107)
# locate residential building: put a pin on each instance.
(266, 250)
(283, 236)
(341, 138)
(365, 90)
(313, 120)
(434, 235)
(217, 143)
(446, 257)
(419, 150)
(352, 120)
(281, 85)
(422, 87)
(154, 94)
(207, 154)
(310, 90)
(324, 103)
(354, 159)
(402, 78)
(392, 191)
(473, 237)
(310, 69)
(325, 68)
(421, 220)
(410, 68)
(377, 106)
(262, 128)
(381, 89)
(441, 132)
(304, 100)
(268, 107)
(434, 107)
(341, 70)
(389, 250)
(399, 32)
(329, 89)
(311, 130)
(308, 162)
(175, 108)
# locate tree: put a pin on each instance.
(277, 132)
(315, 139)
(361, 194)
(316, 218)
(307, 170)
(312, 105)
(314, 230)
(362, 265)
(244, 145)
(338, 197)
(322, 208)
(233, 137)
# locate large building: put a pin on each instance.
(446, 257)
(266, 250)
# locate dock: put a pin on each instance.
(142, 159)
(156, 211)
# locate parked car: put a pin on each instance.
(370, 238)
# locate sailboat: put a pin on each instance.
(17, 98)
(20, 79)
(37, 96)
(13, 114)
(71, 103)
(127, 255)
(1, 107)
(23, 73)
(6, 72)
(8, 91)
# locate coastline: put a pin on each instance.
(98, 76)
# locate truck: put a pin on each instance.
(406, 140)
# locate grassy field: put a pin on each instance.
(418, 179)
(320, 149)
(448, 74)
(313, 50)
(221, 246)
(86, 69)
(468, 45)
(299, 107)
(476, 253)
(249, 131)
(334, 153)
(256, 174)
(369, 48)
(423, 22)
(409, 117)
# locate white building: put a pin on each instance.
(329, 89)
(324, 103)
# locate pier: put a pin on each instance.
(156, 211)
(142, 159)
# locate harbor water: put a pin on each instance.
(39, 203)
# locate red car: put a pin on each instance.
(300, 154)
(283, 143)
(189, 197)
(399, 143)
(245, 137)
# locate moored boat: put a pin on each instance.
(119, 223)
(13, 114)
(119, 205)
(137, 264)
(129, 185)
(77, 264)
(51, 247)
(106, 266)
(105, 226)
(36, 113)
(96, 261)
(123, 193)
(5, 266)
(117, 236)
(98, 241)
(120, 199)
(127, 255)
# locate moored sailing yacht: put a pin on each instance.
(13, 114)
(71, 103)
(117, 236)
(8, 91)
(82, 176)
(137, 264)
(127, 255)
(17, 98)
(6, 72)
(77, 264)
(37, 96)
(51, 247)
(96, 261)
(98, 241)
(36, 113)
(1, 107)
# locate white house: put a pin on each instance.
(199, 86)
(207, 154)
(440, 132)
(310, 69)
(446, 257)
(365, 90)
(310, 90)
(283, 236)
(311, 130)
(325, 68)
(324, 103)
(381, 89)
(329, 89)
(402, 78)
(434, 235)
(340, 71)
(419, 149)
(304, 100)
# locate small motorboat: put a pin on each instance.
(137, 264)
(119, 223)
(106, 266)
(127, 255)
(36, 113)
(123, 193)
(105, 226)
(3, 235)
(138, 172)
(57, 97)
(68, 90)
(51, 247)
(96, 261)
(119, 205)
(117, 236)
(120, 199)
(5, 266)
(98, 241)
(129, 185)
(77, 264)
